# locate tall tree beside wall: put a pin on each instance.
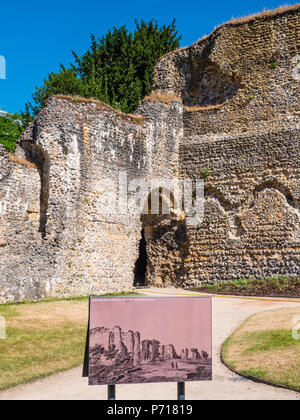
(116, 69)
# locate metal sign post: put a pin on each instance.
(181, 391)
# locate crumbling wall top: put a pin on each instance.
(246, 70)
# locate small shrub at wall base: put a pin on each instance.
(117, 69)
(205, 172)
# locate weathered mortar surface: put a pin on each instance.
(55, 239)
(218, 104)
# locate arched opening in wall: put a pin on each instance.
(141, 263)
(162, 244)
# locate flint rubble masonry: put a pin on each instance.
(220, 104)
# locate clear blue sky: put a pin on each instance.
(36, 36)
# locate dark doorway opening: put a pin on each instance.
(141, 263)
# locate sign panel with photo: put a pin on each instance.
(141, 339)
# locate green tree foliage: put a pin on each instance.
(117, 68)
(11, 127)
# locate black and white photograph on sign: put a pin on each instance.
(140, 340)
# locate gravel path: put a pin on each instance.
(228, 314)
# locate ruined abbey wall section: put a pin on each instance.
(240, 87)
(225, 109)
(60, 234)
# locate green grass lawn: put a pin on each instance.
(271, 286)
(264, 347)
(43, 338)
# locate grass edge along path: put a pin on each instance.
(263, 348)
(266, 287)
(43, 338)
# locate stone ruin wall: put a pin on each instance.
(54, 238)
(251, 225)
(227, 81)
(241, 120)
(220, 104)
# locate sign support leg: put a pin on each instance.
(181, 391)
(111, 392)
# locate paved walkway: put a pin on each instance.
(228, 314)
